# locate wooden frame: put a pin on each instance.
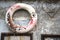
(16, 34)
(49, 37)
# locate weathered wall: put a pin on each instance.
(45, 24)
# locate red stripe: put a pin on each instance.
(31, 21)
(17, 6)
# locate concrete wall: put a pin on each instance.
(46, 24)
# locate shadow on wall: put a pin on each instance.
(51, 1)
(48, 1)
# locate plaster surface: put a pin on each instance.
(45, 23)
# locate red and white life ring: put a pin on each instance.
(15, 27)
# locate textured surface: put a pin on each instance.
(45, 23)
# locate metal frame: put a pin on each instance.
(19, 0)
(43, 36)
(16, 34)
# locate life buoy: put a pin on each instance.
(18, 28)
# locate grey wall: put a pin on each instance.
(45, 24)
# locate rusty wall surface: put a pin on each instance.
(48, 17)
